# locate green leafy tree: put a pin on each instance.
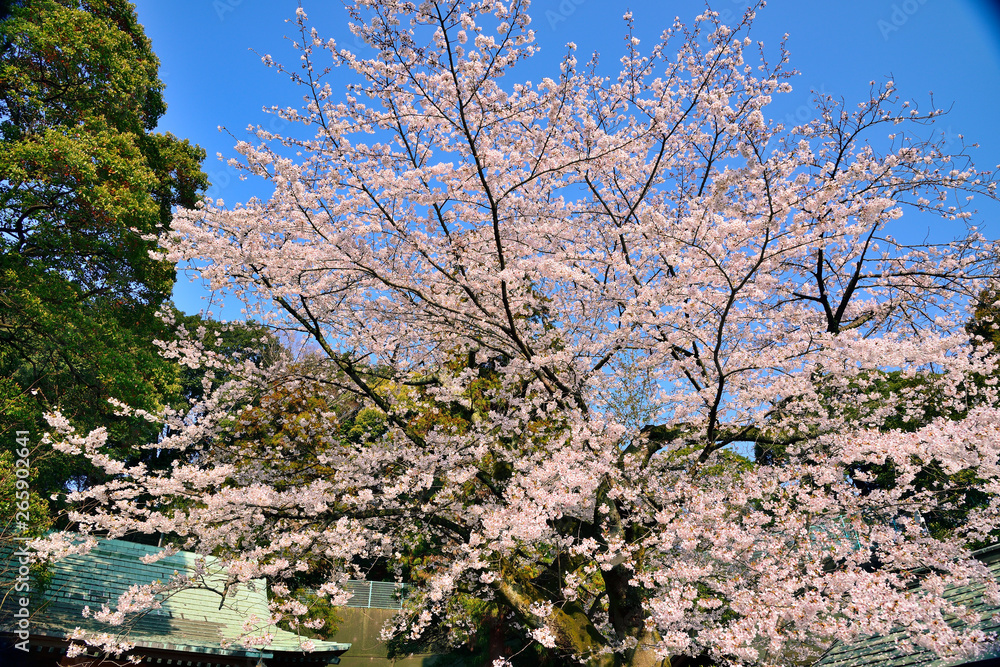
(84, 183)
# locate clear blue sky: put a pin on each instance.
(950, 47)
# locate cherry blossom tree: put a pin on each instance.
(476, 259)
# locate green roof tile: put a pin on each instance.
(194, 620)
(886, 650)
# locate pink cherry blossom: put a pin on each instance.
(564, 235)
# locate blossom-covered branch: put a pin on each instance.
(477, 260)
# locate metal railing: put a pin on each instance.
(375, 594)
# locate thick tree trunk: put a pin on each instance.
(575, 633)
(497, 629)
(629, 619)
(644, 657)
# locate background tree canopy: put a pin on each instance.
(84, 181)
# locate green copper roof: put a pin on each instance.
(194, 620)
(887, 651)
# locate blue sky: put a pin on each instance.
(950, 47)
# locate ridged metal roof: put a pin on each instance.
(194, 620)
(891, 650)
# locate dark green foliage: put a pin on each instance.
(7, 6)
(867, 395)
(85, 185)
